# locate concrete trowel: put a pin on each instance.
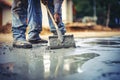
(59, 41)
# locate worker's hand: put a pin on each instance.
(44, 2)
(57, 18)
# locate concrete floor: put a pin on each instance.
(92, 59)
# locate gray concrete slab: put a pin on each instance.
(92, 59)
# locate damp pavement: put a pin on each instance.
(92, 59)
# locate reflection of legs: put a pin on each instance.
(61, 24)
(56, 68)
(35, 66)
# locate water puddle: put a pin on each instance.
(48, 64)
(73, 63)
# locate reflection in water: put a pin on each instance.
(35, 66)
(47, 65)
(60, 64)
(46, 61)
(73, 63)
(57, 65)
(105, 42)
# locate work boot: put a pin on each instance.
(22, 44)
(38, 41)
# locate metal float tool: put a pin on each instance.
(59, 40)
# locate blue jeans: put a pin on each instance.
(28, 13)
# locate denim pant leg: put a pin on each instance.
(19, 16)
(51, 8)
(61, 24)
(34, 19)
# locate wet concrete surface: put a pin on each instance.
(92, 59)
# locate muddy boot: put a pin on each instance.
(38, 41)
(22, 44)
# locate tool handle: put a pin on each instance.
(54, 23)
(60, 36)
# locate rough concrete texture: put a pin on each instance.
(68, 41)
(92, 59)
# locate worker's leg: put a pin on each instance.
(19, 24)
(19, 16)
(35, 21)
(61, 24)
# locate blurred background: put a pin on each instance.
(77, 15)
